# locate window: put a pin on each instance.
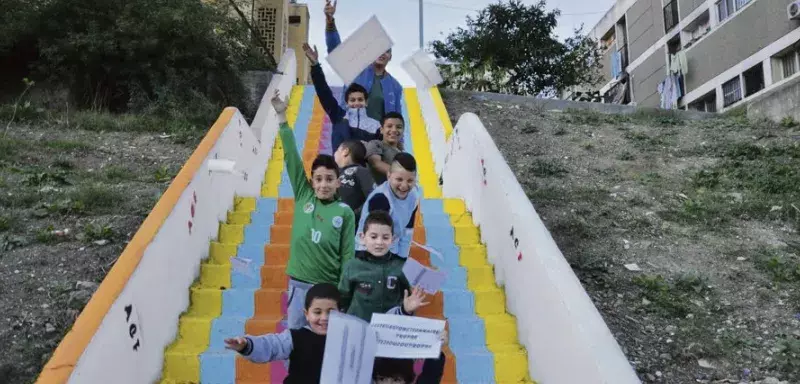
(789, 63)
(726, 8)
(706, 103)
(731, 91)
(294, 19)
(753, 79)
(670, 15)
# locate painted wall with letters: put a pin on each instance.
(565, 336)
(142, 320)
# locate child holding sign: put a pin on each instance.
(373, 281)
(322, 230)
(304, 347)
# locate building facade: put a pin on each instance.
(298, 35)
(707, 55)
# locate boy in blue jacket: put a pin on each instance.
(303, 347)
(351, 123)
(399, 196)
(385, 94)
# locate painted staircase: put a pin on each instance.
(483, 344)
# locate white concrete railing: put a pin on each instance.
(121, 334)
(565, 336)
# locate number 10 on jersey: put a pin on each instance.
(316, 236)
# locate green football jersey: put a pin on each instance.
(322, 231)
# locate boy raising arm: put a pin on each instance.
(322, 230)
(352, 123)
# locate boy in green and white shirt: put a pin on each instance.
(322, 228)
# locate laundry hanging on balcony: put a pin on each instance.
(670, 91)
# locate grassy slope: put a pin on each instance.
(73, 189)
(709, 209)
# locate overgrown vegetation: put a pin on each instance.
(178, 58)
(682, 230)
(510, 47)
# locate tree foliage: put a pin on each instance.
(131, 54)
(510, 47)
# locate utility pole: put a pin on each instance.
(421, 35)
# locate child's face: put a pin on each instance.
(392, 131)
(325, 183)
(401, 181)
(356, 100)
(317, 314)
(341, 156)
(377, 238)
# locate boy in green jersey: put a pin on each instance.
(322, 228)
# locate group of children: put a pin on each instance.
(351, 233)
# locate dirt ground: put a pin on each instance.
(707, 210)
(72, 193)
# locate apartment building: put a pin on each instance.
(298, 35)
(707, 55)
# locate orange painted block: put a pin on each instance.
(434, 309)
(268, 302)
(449, 366)
(308, 157)
(420, 255)
(276, 254)
(280, 234)
(274, 277)
(284, 217)
(262, 325)
(247, 371)
(285, 204)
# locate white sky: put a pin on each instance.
(401, 20)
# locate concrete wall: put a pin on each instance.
(758, 25)
(645, 26)
(685, 7)
(298, 34)
(777, 103)
(645, 79)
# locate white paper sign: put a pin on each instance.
(430, 249)
(407, 337)
(421, 276)
(242, 265)
(422, 70)
(349, 351)
(359, 50)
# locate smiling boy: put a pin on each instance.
(400, 197)
(322, 228)
(381, 153)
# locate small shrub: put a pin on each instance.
(544, 168)
(96, 198)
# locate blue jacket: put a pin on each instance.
(392, 90)
(403, 214)
(358, 126)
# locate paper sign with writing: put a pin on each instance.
(359, 50)
(421, 276)
(349, 351)
(422, 70)
(407, 337)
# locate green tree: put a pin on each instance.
(510, 47)
(128, 55)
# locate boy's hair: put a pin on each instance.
(355, 88)
(393, 368)
(406, 161)
(391, 115)
(358, 152)
(322, 291)
(325, 161)
(379, 218)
